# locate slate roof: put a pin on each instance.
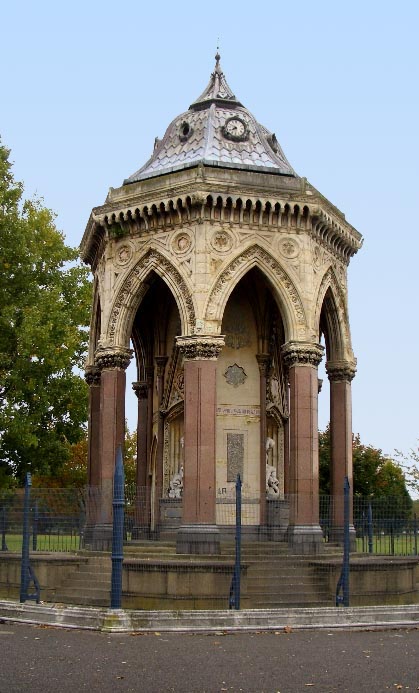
(198, 136)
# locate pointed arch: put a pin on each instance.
(133, 289)
(332, 318)
(95, 321)
(286, 293)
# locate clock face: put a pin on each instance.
(235, 129)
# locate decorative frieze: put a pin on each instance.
(341, 370)
(202, 347)
(302, 354)
(113, 357)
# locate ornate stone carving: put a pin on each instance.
(264, 363)
(133, 288)
(302, 354)
(123, 254)
(141, 389)
(341, 370)
(92, 375)
(181, 243)
(235, 375)
(267, 260)
(176, 485)
(289, 248)
(113, 357)
(204, 347)
(221, 241)
(161, 364)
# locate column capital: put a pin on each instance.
(141, 389)
(113, 358)
(161, 364)
(264, 363)
(92, 375)
(302, 354)
(200, 347)
(341, 370)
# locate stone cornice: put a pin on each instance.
(202, 347)
(176, 201)
(302, 354)
(113, 358)
(339, 371)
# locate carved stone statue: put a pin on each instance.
(176, 484)
(272, 481)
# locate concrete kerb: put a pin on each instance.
(136, 621)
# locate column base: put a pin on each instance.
(98, 537)
(198, 539)
(336, 536)
(305, 539)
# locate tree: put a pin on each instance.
(374, 474)
(44, 311)
(410, 466)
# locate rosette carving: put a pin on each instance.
(200, 348)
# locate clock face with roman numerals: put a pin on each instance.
(235, 129)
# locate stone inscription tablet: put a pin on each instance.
(235, 455)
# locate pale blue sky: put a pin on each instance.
(87, 86)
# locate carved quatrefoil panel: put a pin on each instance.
(235, 375)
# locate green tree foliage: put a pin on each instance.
(44, 308)
(410, 466)
(374, 475)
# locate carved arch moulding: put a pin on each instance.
(330, 281)
(133, 288)
(294, 314)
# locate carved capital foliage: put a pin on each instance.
(264, 363)
(113, 357)
(141, 389)
(202, 347)
(339, 371)
(92, 375)
(161, 364)
(302, 354)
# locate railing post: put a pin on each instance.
(234, 600)
(118, 532)
(370, 529)
(35, 526)
(27, 573)
(3, 528)
(343, 582)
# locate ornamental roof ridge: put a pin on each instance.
(217, 89)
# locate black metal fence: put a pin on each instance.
(59, 519)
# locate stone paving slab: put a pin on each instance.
(246, 620)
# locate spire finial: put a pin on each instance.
(218, 57)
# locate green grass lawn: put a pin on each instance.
(45, 542)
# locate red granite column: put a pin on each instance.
(161, 365)
(304, 532)
(340, 377)
(92, 377)
(112, 363)
(198, 533)
(141, 527)
(263, 363)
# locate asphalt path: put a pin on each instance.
(48, 659)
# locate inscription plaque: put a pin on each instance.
(235, 455)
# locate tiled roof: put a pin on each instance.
(199, 135)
